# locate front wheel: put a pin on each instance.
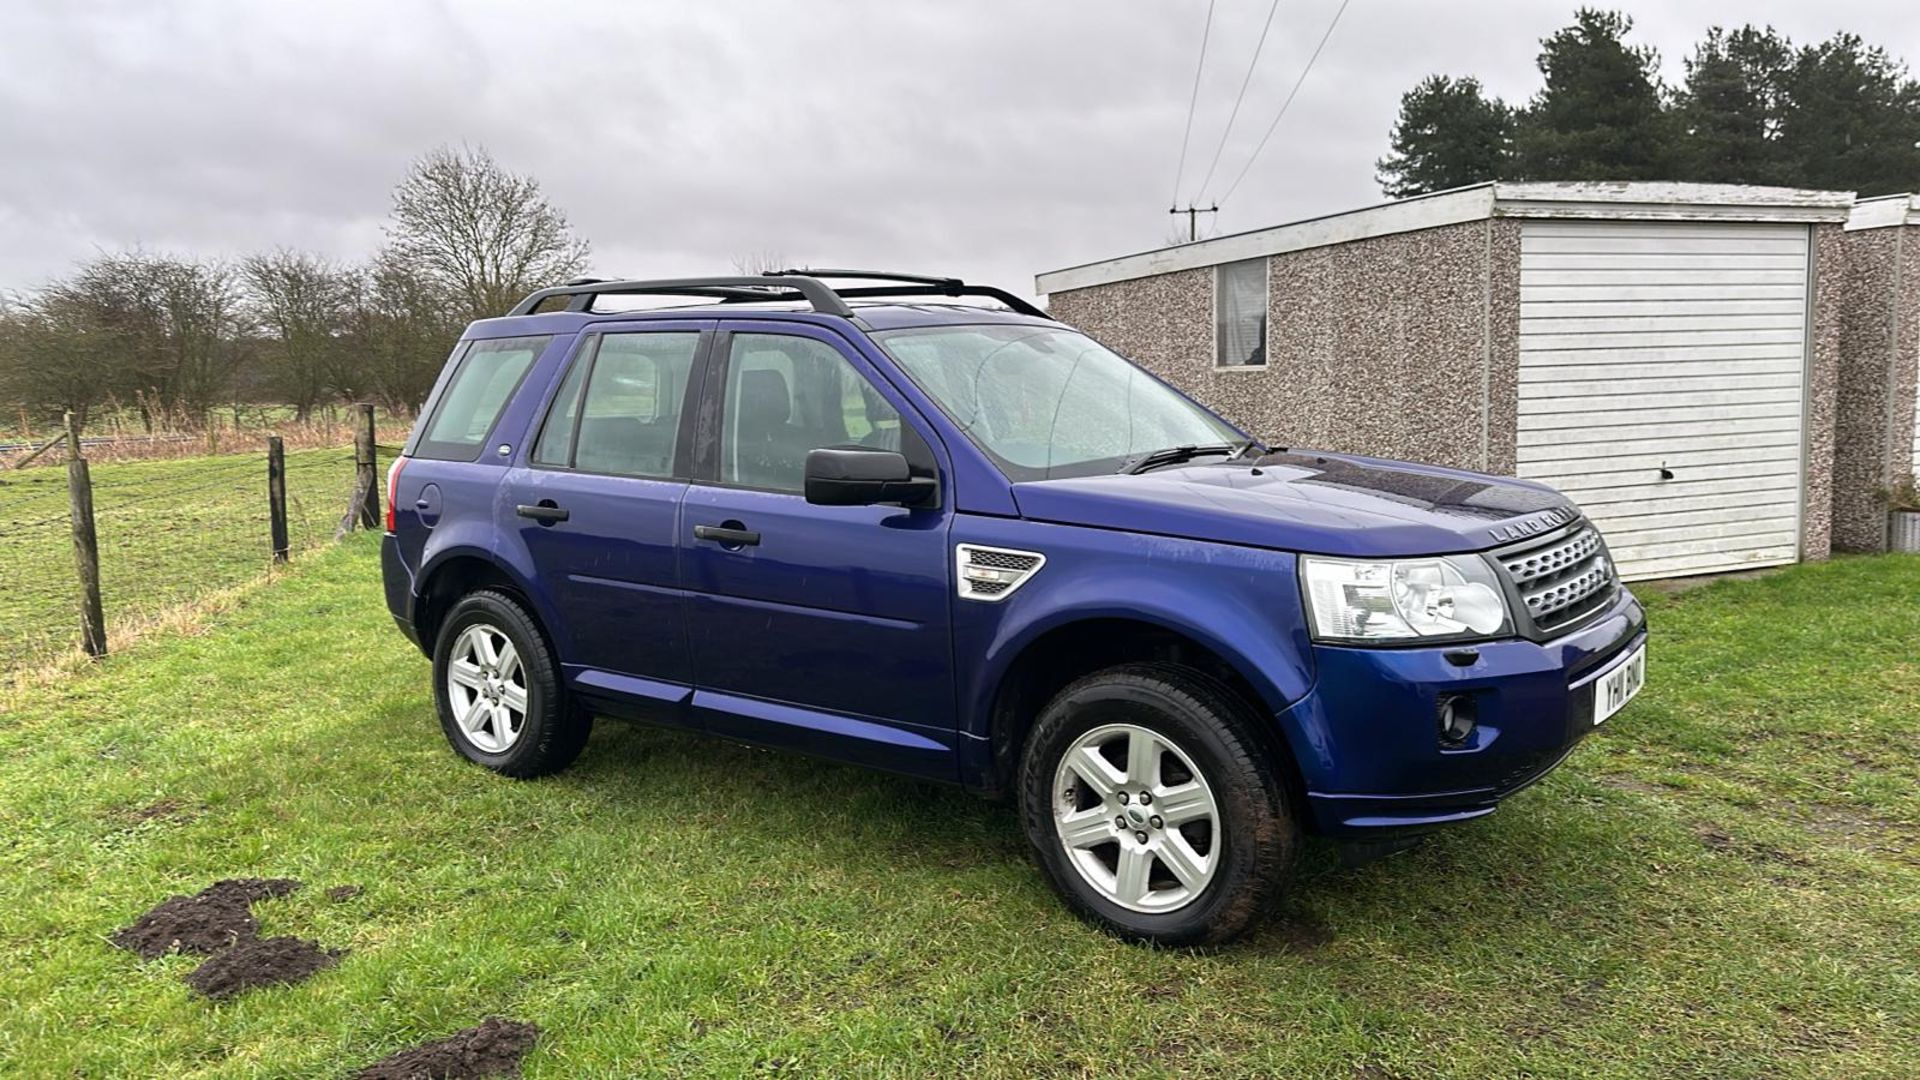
(1151, 809)
(498, 690)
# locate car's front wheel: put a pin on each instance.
(498, 689)
(1151, 808)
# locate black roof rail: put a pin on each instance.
(775, 285)
(916, 285)
(583, 291)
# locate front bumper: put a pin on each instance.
(1373, 759)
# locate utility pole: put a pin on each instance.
(1193, 212)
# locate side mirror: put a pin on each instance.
(852, 476)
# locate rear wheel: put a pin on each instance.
(1150, 808)
(497, 687)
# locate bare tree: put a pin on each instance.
(305, 306)
(55, 357)
(483, 237)
(177, 322)
(760, 262)
(403, 324)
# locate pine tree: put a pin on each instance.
(1731, 108)
(1600, 115)
(1852, 120)
(1450, 134)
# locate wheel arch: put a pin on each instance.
(1051, 657)
(459, 573)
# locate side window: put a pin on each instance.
(628, 416)
(484, 379)
(1240, 314)
(555, 446)
(786, 396)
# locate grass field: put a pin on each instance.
(1722, 883)
(168, 531)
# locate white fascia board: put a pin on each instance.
(1878, 213)
(1620, 200)
(1626, 200)
(1407, 215)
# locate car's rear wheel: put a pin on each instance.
(1151, 808)
(498, 690)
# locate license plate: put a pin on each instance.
(1617, 687)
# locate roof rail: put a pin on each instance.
(916, 285)
(775, 285)
(583, 291)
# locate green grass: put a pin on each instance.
(1722, 883)
(168, 531)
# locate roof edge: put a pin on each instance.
(1382, 219)
(1884, 210)
(1625, 200)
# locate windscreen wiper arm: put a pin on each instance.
(1174, 455)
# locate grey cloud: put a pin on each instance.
(991, 140)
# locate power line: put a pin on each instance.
(1244, 83)
(1297, 83)
(1206, 31)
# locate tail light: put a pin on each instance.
(393, 498)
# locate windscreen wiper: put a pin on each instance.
(1174, 455)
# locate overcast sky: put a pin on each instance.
(990, 140)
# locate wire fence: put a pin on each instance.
(168, 532)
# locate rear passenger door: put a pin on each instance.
(818, 628)
(596, 500)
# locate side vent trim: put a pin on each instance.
(991, 574)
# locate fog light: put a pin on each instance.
(1457, 715)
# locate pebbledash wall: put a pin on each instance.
(1878, 440)
(1668, 354)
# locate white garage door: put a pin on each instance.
(1662, 368)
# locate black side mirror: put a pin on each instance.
(854, 476)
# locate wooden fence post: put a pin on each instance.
(366, 469)
(86, 545)
(277, 495)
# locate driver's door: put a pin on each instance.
(818, 628)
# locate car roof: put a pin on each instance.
(868, 315)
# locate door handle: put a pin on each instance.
(730, 535)
(546, 513)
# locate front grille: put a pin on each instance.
(1562, 577)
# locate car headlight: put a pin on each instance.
(1445, 596)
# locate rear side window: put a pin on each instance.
(627, 422)
(483, 381)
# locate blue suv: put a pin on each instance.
(970, 544)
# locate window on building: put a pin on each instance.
(1240, 314)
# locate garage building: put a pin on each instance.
(1878, 438)
(1666, 354)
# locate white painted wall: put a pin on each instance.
(1679, 345)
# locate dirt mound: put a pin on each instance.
(212, 919)
(492, 1049)
(261, 962)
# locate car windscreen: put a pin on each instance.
(1046, 401)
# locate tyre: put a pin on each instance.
(1151, 808)
(497, 686)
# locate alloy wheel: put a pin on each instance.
(487, 687)
(1136, 818)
